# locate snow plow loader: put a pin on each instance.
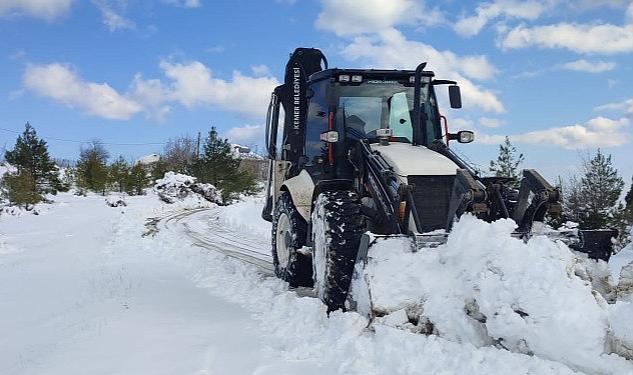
(360, 155)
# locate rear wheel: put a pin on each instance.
(288, 237)
(337, 227)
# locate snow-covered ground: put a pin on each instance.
(82, 291)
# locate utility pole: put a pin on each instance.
(198, 147)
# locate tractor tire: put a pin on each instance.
(337, 227)
(288, 237)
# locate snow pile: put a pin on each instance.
(622, 311)
(622, 329)
(176, 187)
(527, 298)
(115, 201)
(620, 260)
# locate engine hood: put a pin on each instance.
(409, 160)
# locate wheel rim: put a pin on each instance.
(283, 239)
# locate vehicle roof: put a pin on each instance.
(327, 73)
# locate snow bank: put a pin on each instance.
(485, 287)
(622, 330)
(176, 187)
(299, 337)
(245, 216)
(620, 260)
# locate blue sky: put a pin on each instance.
(555, 77)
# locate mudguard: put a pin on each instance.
(301, 189)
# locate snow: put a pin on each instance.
(181, 188)
(148, 159)
(83, 292)
(245, 216)
(244, 152)
(619, 260)
(409, 160)
(321, 241)
(524, 297)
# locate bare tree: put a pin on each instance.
(180, 153)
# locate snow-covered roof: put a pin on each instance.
(148, 159)
(244, 152)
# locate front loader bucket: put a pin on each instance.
(373, 300)
(597, 244)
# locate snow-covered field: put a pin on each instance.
(82, 291)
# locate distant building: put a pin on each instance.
(251, 161)
(148, 159)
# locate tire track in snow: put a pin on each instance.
(205, 230)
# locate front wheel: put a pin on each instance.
(288, 237)
(337, 227)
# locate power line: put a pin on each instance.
(88, 142)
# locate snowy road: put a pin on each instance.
(205, 228)
(82, 291)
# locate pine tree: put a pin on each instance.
(137, 180)
(627, 221)
(159, 168)
(30, 156)
(92, 170)
(218, 166)
(21, 189)
(118, 174)
(599, 190)
(507, 163)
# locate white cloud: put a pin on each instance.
(597, 132)
(354, 17)
(247, 134)
(583, 65)
(580, 38)
(216, 49)
(491, 122)
(390, 49)
(625, 106)
(261, 70)
(486, 12)
(190, 84)
(111, 17)
(459, 123)
(193, 84)
(185, 3)
(18, 55)
(60, 83)
(153, 94)
(45, 9)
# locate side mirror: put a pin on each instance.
(455, 96)
(464, 136)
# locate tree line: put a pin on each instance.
(591, 198)
(36, 174)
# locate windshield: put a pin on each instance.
(378, 104)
